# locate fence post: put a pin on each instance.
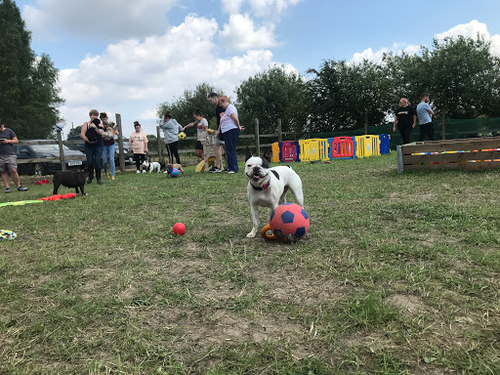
(160, 150)
(257, 139)
(280, 133)
(61, 151)
(121, 154)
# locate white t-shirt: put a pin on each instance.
(226, 122)
(201, 126)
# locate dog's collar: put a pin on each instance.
(263, 187)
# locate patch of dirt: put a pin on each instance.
(411, 306)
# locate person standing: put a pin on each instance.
(230, 128)
(219, 142)
(138, 143)
(424, 114)
(108, 137)
(201, 129)
(406, 119)
(171, 129)
(8, 159)
(91, 133)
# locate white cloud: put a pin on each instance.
(132, 77)
(271, 8)
(231, 6)
(108, 20)
(240, 34)
(472, 30)
(376, 56)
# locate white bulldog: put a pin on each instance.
(267, 187)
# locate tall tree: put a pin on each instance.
(347, 95)
(28, 93)
(459, 73)
(182, 109)
(272, 95)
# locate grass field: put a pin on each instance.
(399, 274)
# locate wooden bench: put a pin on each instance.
(472, 154)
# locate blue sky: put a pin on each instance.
(128, 57)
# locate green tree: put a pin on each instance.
(347, 95)
(28, 93)
(459, 73)
(75, 131)
(182, 109)
(272, 95)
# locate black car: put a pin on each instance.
(74, 159)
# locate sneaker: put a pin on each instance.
(137, 171)
(143, 171)
(225, 170)
(7, 190)
(231, 172)
(215, 170)
(21, 188)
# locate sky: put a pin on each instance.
(128, 57)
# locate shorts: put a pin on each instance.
(199, 146)
(8, 163)
(219, 142)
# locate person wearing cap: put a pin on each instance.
(138, 144)
(8, 159)
(91, 133)
(108, 139)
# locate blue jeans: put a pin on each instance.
(231, 139)
(94, 154)
(109, 152)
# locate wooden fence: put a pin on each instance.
(251, 140)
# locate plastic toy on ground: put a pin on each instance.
(179, 229)
(6, 234)
(289, 222)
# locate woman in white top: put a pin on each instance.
(230, 128)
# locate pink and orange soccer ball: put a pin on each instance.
(179, 229)
(289, 222)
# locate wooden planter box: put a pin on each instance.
(473, 154)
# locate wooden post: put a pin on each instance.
(118, 118)
(257, 139)
(280, 133)
(61, 151)
(366, 122)
(399, 154)
(160, 150)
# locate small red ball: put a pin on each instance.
(179, 229)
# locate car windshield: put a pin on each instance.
(48, 148)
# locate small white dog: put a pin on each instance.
(151, 166)
(267, 187)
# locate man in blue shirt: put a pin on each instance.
(424, 114)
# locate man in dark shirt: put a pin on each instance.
(219, 143)
(8, 159)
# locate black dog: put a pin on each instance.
(70, 179)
